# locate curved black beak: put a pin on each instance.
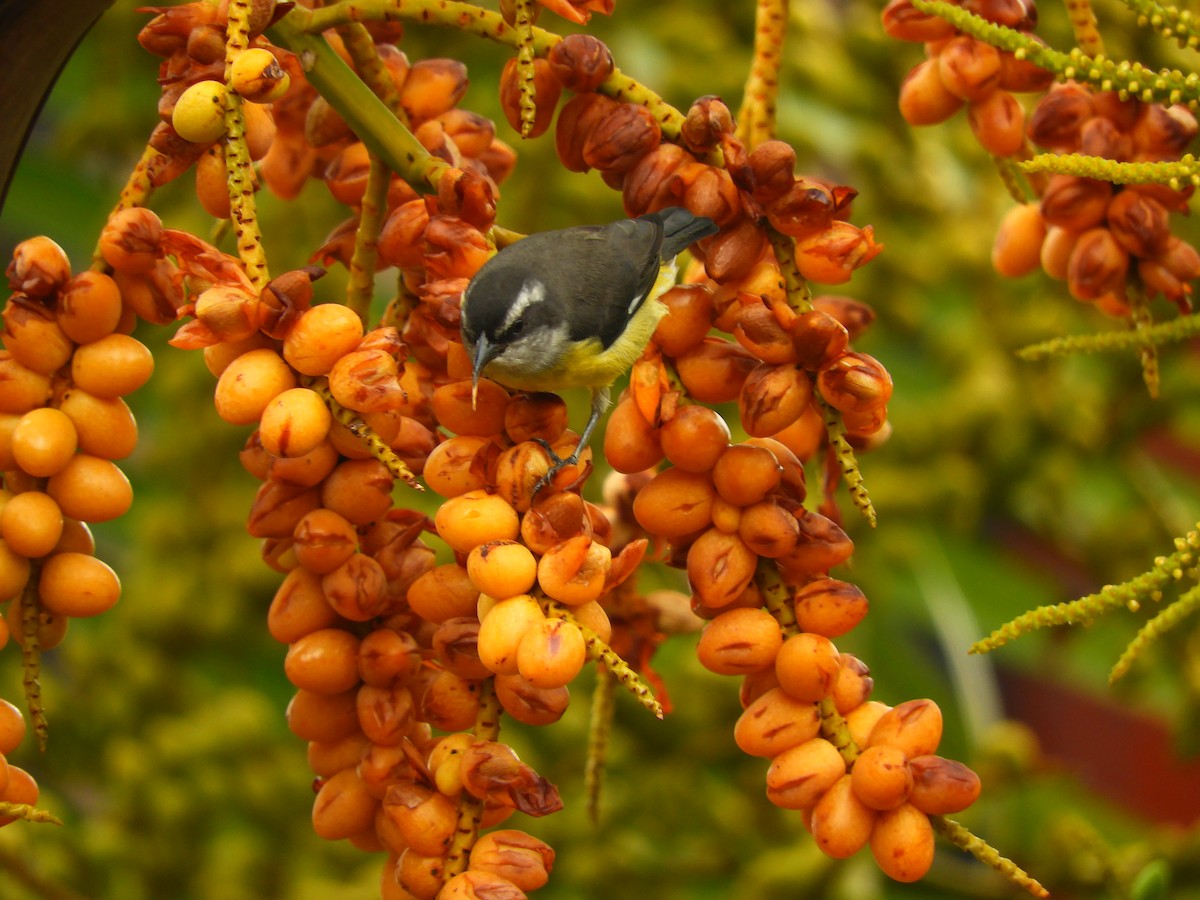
(484, 354)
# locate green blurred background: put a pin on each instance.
(1006, 485)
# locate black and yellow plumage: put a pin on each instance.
(576, 307)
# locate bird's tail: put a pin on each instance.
(680, 229)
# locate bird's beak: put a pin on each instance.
(484, 354)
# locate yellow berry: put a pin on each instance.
(199, 114)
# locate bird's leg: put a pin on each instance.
(557, 463)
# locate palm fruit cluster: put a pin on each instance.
(410, 635)
(1099, 237)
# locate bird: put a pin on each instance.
(574, 308)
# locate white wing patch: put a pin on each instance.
(532, 291)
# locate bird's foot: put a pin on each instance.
(557, 464)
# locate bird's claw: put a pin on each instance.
(557, 464)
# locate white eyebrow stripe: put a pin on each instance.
(532, 291)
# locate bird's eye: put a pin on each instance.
(516, 327)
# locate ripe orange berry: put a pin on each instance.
(453, 466)
(522, 859)
(91, 489)
(552, 653)
(799, 776)
(89, 308)
(854, 683)
(631, 444)
(739, 641)
(33, 336)
(24, 389)
(249, 383)
(131, 240)
(343, 807)
(829, 607)
(841, 823)
(942, 786)
(78, 585)
(113, 366)
(675, 503)
(969, 69)
(924, 98)
(444, 592)
(453, 407)
(294, 423)
(882, 778)
(773, 397)
(468, 520)
(323, 717)
(902, 843)
(719, 567)
(913, 727)
(324, 661)
(12, 727)
(299, 607)
(501, 630)
(21, 789)
(324, 540)
(807, 666)
(31, 523)
(502, 569)
(694, 438)
(575, 572)
(357, 589)
(768, 529)
(386, 656)
(44, 441)
(105, 425)
(39, 267)
(529, 704)
(775, 722)
(359, 490)
(745, 474)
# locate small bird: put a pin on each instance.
(574, 308)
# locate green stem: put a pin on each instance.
(465, 18)
(368, 116)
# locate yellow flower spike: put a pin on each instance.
(525, 55)
(136, 192)
(31, 658)
(28, 813)
(756, 118)
(239, 168)
(798, 292)
(1083, 23)
(776, 596)
(601, 652)
(599, 732)
(1176, 174)
(963, 839)
(1143, 321)
(1178, 329)
(470, 808)
(1166, 86)
(835, 730)
(1153, 630)
(847, 463)
(1169, 21)
(1146, 587)
(361, 430)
